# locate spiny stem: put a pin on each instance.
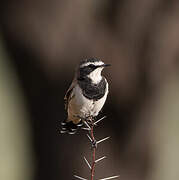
(93, 153)
(90, 124)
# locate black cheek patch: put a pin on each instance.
(84, 71)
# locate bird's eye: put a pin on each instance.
(91, 66)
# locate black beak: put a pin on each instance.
(105, 65)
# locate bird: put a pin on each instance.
(86, 95)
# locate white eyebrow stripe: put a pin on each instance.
(94, 63)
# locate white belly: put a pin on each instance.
(83, 107)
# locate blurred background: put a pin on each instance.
(42, 41)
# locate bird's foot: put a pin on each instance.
(68, 127)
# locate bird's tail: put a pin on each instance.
(69, 127)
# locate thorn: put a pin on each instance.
(87, 162)
(100, 159)
(89, 137)
(102, 140)
(87, 129)
(112, 177)
(95, 123)
(87, 125)
(79, 177)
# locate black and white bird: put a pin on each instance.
(86, 95)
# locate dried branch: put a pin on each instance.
(94, 152)
(90, 124)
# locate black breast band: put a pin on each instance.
(92, 91)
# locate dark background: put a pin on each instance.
(41, 43)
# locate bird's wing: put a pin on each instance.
(69, 94)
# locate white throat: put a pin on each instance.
(95, 76)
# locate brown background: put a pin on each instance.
(43, 40)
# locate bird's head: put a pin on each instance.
(92, 69)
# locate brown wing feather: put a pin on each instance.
(68, 95)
